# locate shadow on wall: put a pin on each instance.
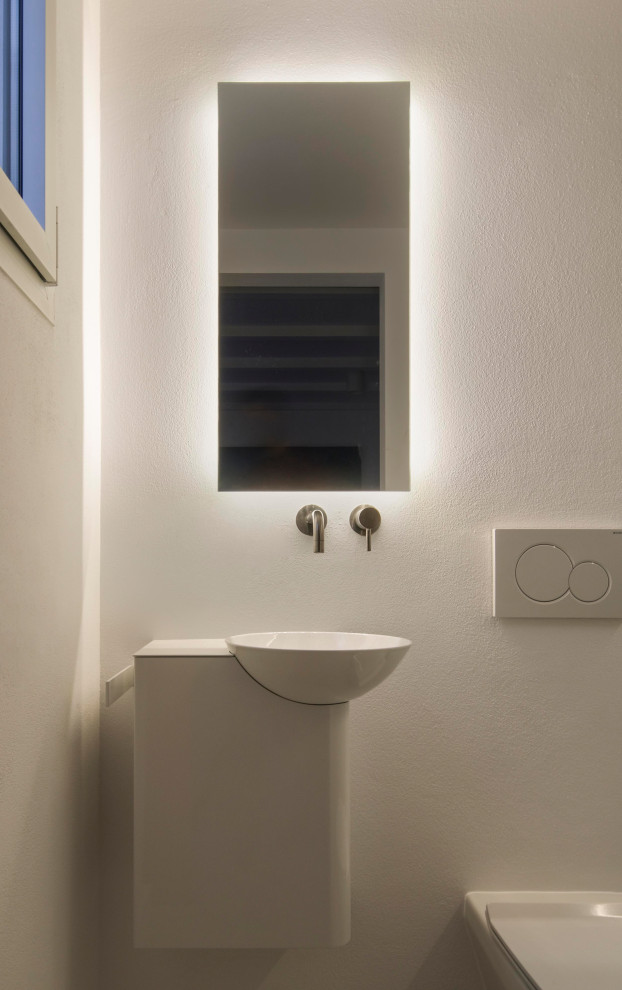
(48, 907)
(227, 969)
(450, 963)
(83, 745)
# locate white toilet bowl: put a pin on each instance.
(547, 940)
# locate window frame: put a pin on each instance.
(36, 270)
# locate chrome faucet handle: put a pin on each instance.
(365, 520)
(312, 521)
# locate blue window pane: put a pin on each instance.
(33, 107)
(10, 89)
(22, 99)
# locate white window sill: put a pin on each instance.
(14, 264)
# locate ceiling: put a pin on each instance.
(313, 155)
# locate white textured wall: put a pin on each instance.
(491, 757)
(49, 584)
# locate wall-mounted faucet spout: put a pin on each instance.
(311, 520)
(317, 518)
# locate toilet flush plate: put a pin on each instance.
(557, 573)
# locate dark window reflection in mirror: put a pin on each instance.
(313, 256)
(299, 383)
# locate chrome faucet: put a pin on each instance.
(311, 520)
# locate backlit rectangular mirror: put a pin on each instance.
(313, 260)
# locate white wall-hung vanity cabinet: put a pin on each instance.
(241, 786)
(241, 807)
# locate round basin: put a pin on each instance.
(318, 668)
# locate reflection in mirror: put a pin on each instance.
(313, 258)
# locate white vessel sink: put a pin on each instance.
(318, 668)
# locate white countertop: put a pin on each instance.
(184, 648)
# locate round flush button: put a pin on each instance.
(542, 572)
(589, 581)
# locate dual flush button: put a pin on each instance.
(564, 573)
(546, 573)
